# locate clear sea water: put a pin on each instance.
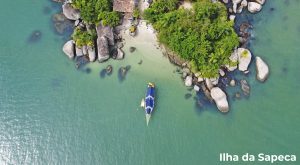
(51, 113)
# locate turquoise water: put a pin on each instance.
(51, 113)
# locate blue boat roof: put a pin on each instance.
(149, 100)
(150, 91)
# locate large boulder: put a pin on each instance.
(244, 58)
(209, 84)
(91, 53)
(262, 69)
(84, 50)
(68, 49)
(188, 81)
(261, 1)
(235, 4)
(220, 99)
(254, 7)
(79, 51)
(70, 12)
(107, 32)
(103, 49)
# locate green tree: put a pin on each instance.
(203, 35)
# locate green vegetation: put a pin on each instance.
(82, 37)
(136, 13)
(94, 11)
(203, 35)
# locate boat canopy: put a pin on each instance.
(149, 100)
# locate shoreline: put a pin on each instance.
(110, 42)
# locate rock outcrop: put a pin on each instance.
(254, 7)
(70, 12)
(120, 54)
(262, 70)
(91, 53)
(68, 49)
(244, 59)
(103, 49)
(220, 99)
(261, 1)
(78, 51)
(107, 32)
(188, 81)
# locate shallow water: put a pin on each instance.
(51, 112)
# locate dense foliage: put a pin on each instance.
(82, 37)
(203, 35)
(93, 11)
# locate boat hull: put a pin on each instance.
(149, 101)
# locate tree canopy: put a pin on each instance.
(93, 11)
(203, 35)
(82, 37)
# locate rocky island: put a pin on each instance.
(196, 35)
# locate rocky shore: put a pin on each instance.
(108, 44)
(104, 46)
(215, 88)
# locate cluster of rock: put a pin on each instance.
(237, 6)
(104, 46)
(240, 58)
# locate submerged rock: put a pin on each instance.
(35, 36)
(123, 72)
(237, 95)
(262, 70)
(68, 49)
(132, 49)
(81, 61)
(70, 12)
(61, 23)
(103, 73)
(187, 96)
(140, 62)
(220, 99)
(109, 70)
(245, 87)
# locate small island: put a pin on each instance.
(199, 36)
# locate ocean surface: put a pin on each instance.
(52, 113)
